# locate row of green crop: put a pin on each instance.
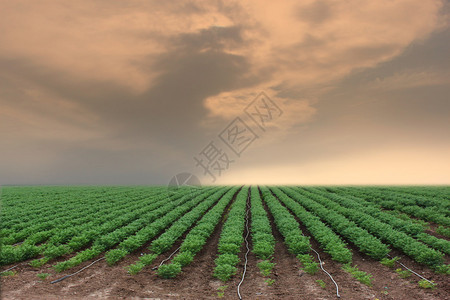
(23, 225)
(361, 238)
(261, 229)
(231, 238)
(105, 242)
(329, 241)
(409, 199)
(41, 230)
(411, 247)
(197, 237)
(286, 224)
(180, 219)
(435, 192)
(393, 202)
(17, 218)
(110, 223)
(406, 226)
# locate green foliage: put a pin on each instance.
(37, 263)
(361, 276)
(308, 263)
(442, 269)
(265, 267)
(184, 258)
(221, 291)
(321, 283)
(269, 281)
(8, 273)
(196, 238)
(403, 273)
(169, 271)
(329, 240)
(389, 262)
(224, 272)
(424, 284)
(321, 207)
(261, 229)
(443, 230)
(43, 276)
(115, 255)
(133, 269)
(231, 238)
(382, 230)
(296, 242)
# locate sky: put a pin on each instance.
(232, 92)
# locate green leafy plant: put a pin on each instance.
(169, 271)
(442, 269)
(265, 267)
(224, 272)
(184, 258)
(309, 265)
(133, 269)
(8, 273)
(361, 276)
(443, 230)
(321, 283)
(269, 281)
(37, 263)
(403, 273)
(221, 291)
(426, 284)
(389, 262)
(43, 276)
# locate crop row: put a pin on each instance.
(394, 202)
(262, 237)
(329, 241)
(361, 238)
(197, 237)
(406, 226)
(179, 220)
(286, 224)
(231, 238)
(411, 247)
(120, 232)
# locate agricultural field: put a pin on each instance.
(231, 242)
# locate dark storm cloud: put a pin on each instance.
(315, 13)
(130, 92)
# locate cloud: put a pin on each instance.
(88, 82)
(411, 79)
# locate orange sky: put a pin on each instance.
(115, 92)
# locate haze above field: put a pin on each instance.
(115, 92)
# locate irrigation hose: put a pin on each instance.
(67, 276)
(337, 287)
(414, 272)
(9, 269)
(246, 253)
(164, 260)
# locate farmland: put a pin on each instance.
(195, 243)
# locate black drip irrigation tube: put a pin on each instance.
(248, 250)
(9, 269)
(67, 276)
